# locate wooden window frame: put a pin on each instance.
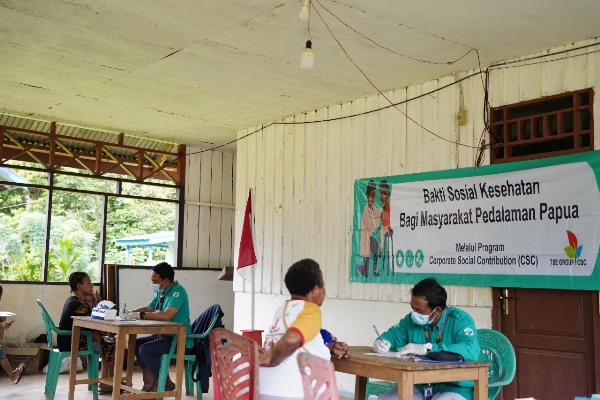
(550, 126)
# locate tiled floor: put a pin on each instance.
(31, 387)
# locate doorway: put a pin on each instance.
(555, 336)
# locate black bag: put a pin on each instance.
(201, 349)
(445, 356)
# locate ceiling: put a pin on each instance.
(195, 71)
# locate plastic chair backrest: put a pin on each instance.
(318, 377)
(497, 350)
(56, 356)
(234, 365)
(49, 325)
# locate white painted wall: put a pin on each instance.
(303, 175)
(208, 214)
(20, 299)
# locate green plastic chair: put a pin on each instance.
(497, 350)
(188, 359)
(57, 356)
(377, 387)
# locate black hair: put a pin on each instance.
(75, 279)
(303, 276)
(165, 271)
(384, 188)
(432, 291)
(371, 187)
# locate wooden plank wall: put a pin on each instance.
(303, 173)
(209, 200)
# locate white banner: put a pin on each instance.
(522, 223)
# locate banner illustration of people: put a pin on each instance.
(376, 243)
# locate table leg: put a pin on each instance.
(481, 384)
(405, 386)
(130, 357)
(74, 350)
(118, 373)
(180, 361)
(360, 387)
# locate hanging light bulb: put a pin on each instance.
(304, 12)
(307, 59)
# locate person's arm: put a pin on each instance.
(156, 315)
(397, 335)
(285, 347)
(339, 349)
(147, 309)
(97, 297)
(465, 339)
(336, 348)
(305, 327)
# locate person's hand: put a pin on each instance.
(264, 356)
(414, 348)
(381, 346)
(6, 325)
(97, 297)
(339, 349)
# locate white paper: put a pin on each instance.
(7, 314)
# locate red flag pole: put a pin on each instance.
(253, 268)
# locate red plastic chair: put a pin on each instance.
(234, 365)
(318, 378)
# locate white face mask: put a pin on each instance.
(156, 288)
(421, 319)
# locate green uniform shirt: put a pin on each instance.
(459, 335)
(175, 296)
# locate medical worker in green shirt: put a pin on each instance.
(432, 326)
(170, 303)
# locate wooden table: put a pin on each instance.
(408, 373)
(124, 329)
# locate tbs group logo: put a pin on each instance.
(573, 250)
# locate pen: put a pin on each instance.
(376, 331)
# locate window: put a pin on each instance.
(550, 126)
(86, 215)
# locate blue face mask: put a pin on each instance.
(156, 288)
(421, 319)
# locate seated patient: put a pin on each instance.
(432, 326)
(295, 328)
(80, 303)
(16, 374)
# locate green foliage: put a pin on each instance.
(25, 270)
(64, 257)
(75, 226)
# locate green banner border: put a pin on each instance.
(591, 282)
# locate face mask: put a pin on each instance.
(421, 319)
(156, 288)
